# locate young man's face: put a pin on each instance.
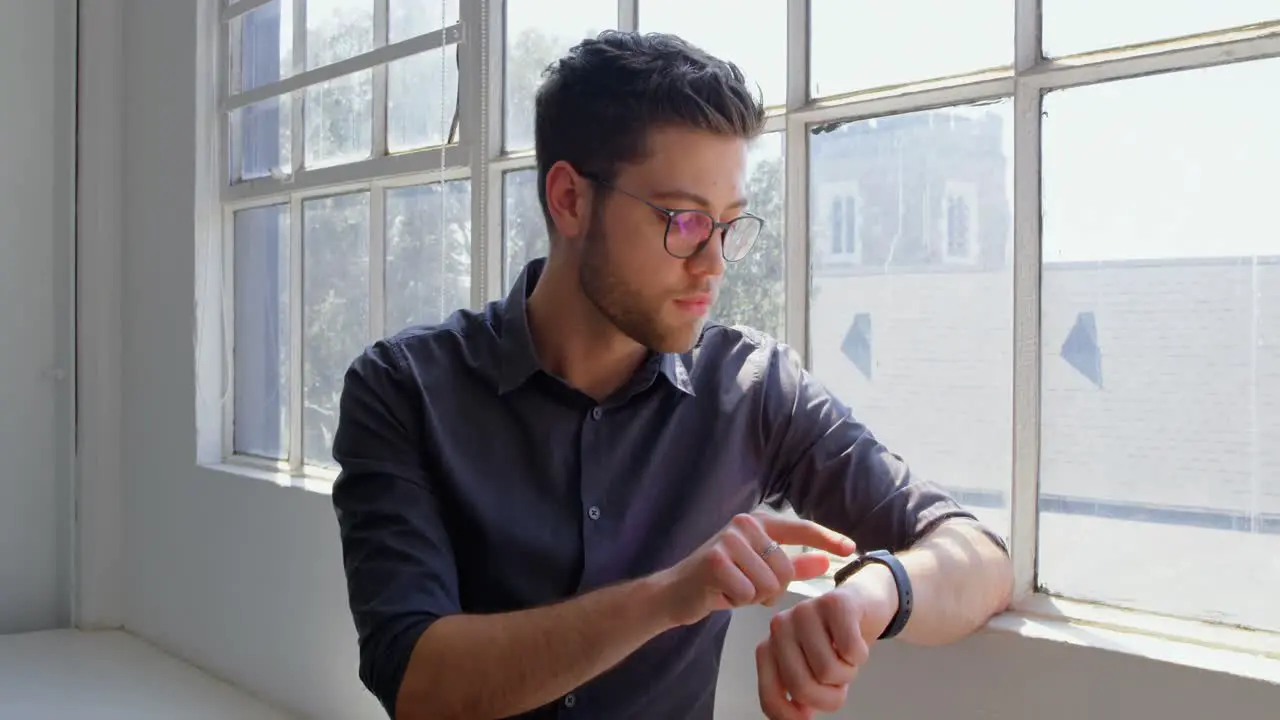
(659, 300)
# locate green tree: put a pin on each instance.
(752, 292)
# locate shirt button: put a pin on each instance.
(570, 700)
(596, 413)
(593, 512)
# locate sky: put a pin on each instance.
(1167, 167)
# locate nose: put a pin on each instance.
(709, 261)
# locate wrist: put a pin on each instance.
(877, 593)
(655, 597)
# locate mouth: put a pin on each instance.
(697, 304)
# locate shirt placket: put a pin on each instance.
(592, 480)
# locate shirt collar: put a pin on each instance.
(520, 359)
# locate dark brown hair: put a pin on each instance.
(598, 103)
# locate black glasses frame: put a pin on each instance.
(673, 213)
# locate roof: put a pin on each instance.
(1161, 382)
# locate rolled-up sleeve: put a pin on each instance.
(833, 471)
(399, 562)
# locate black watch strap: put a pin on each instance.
(900, 579)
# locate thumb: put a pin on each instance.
(810, 565)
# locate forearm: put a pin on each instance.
(959, 579)
(492, 666)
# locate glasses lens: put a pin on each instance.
(687, 231)
(740, 237)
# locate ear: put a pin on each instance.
(568, 200)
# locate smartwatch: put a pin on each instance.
(900, 579)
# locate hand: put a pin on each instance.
(733, 569)
(814, 649)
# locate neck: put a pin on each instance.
(574, 341)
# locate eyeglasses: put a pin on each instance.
(689, 230)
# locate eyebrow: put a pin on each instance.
(695, 198)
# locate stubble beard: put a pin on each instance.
(622, 304)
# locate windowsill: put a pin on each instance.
(311, 479)
(1245, 653)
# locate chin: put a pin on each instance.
(679, 340)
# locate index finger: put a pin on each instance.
(795, 531)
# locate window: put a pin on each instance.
(844, 225)
(539, 32)
(1071, 26)
(934, 382)
(1051, 286)
(752, 292)
(1161, 291)
(347, 203)
(861, 45)
(842, 222)
(757, 44)
(524, 226)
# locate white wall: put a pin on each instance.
(244, 577)
(36, 225)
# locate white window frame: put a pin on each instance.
(1245, 652)
(294, 185)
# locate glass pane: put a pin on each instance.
(1160, 458)
(911, 301)
(335, 296)
(1072, 26)
(266, 45)
(339, 120)
(757, 43)
(538, 33)
(861, 45)
(428, 253)
(751, 293)
(416, 117)
(337, 30)
(411, 18)
(261, 417)
(523, 224)
(261, 139)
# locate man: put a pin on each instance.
(545, 507)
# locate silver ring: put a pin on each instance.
(772, 546)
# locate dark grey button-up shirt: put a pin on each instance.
(472, 481)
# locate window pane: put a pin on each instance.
(914, 337)
(261, 139)
(411, 18)
(1160, 459)
(538, 33)
(416, 117)
(428, 253)
(523, 225)
(335, 296)
(757, 43)
(861, 45)
(1072, 26)
(337, 30)
(339, 120)
(265, 54)
(261, 418)
(752, 293)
